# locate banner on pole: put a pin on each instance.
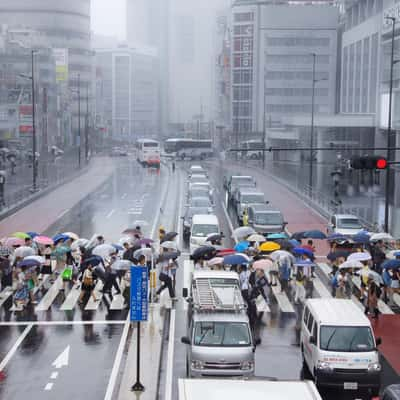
(139, 294)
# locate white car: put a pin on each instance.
(203, 225)
(344, 224)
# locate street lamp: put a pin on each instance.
(78, 91)
(389, 128)
(314, 81)
(32, 78)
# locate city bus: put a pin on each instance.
(253, 149)
(192, 149)
(148, 152)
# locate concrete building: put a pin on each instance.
(127, 92)
(63, 25)
(272, 63)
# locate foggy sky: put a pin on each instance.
(108, 18)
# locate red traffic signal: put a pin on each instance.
(369, 162)
(381, 163)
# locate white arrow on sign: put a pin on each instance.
(62, 360)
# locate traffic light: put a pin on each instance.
(369, 162)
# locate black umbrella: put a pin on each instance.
(204, 252)
(215, 237)
(129, 254)
(169, 255)
(169, 236)
(298, 235)
(333, 255)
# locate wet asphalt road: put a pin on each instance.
(131, 197)
(278, 356)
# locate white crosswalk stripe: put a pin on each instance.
(283, 301)
(72, 298)
(5, 295)
(93, 305)
(50, 296)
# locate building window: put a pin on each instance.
(244, 17)
(374, 72)
(242, 44)
(365, 76)
(357, 94)
(350, 107)
(290, 59)
(242, 93)
(243, 30)
(297, 41)
(243, 76)
(344, 78)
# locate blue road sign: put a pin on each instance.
(139, 293)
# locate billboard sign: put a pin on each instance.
(61, 58)
(25, 118)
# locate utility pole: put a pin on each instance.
(79, 121)
(264, 125)
(87, 125)
(34, 166)
(310, 182)
(389, 128)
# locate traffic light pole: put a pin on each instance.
(389, 129)
(310, 182)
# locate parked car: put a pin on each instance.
(344, 224)
(264, 219)
(203, 225)
(236, 181)
(187, 218)
(198, 178)
(202, 201)
(197, 169)
(198, 191)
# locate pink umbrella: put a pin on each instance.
(44, 240)
(215, 261)
(263, 264)
(13, 242)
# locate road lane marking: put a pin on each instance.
(54, 375)
(110, 214)
(170, 358)
(5, 295)
(282, 299)
(49, 386)
(72, 298)
(63, 213)
(117, 361)
(63, 359)
(94, 305)
(50, 296)
(13, 349)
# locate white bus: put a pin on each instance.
(192, 149)
(253, 149)
(148, 152)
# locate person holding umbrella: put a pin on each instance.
(166, 279)
(88, 283)
(374, 293)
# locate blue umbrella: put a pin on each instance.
(274, 236)
(33, 234)
(391, 264)
(298, 235)
(93, 260)
(314, 234)
(60, 237)
(303, 263)
(236, 259)
(294, 242)
(242, 246)
(336, 236)
(117, 247)
(28, 263)
(301, 251)
(361, 237)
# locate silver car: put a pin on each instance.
(219, 344)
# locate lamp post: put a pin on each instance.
(87, 126)
(389, 128)
(79, 121)
(32, 79)
(314, 81)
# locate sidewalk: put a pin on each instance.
(41, 213)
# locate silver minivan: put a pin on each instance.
(264, 219)
(219, 343)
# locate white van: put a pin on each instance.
(338, 346)
(203, 225)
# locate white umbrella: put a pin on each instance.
(127, 239)
(24, 251)
(39, 259)
(121, 265)
(360, 256)
(169, 245)
(215, 261)
(393, 254)
(281, 254)
(243, 232)
(381, 236)
(146, 251)
(351, 264)
(256, 237)
(104, 250)
(79, 243)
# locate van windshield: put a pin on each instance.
(346, 338)
(349, 223)
(230, 334)
(268, 218)
(204, 230)
(252, 198)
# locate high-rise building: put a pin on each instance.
(65, 27)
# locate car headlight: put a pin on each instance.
(196, 364)
(247, 365)
(322, 365)
(374, 367)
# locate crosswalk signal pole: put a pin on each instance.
(138, 386)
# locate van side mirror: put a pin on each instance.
(285, 223)
(266, 202)
(257, 342)
(378, 341)
(313, 340)
(185, 292)
(185, 340)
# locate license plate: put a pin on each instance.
(350, 385)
